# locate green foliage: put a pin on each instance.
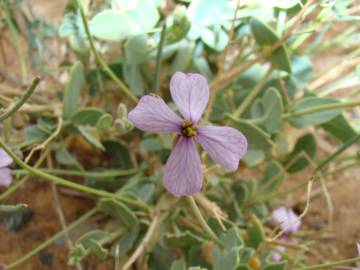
(73, 90)
(96, 144)
(266, 37)
(119, 211)
(134, 19)
(315, 118)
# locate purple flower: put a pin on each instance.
(5, 173)
(183, 173)
(288, 220)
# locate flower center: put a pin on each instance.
(188, 129)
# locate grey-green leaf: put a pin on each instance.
(315, 118)
(87, 116)
(266, 37)
(73, 90)
(119, 211)
(90, 138)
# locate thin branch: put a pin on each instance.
(22, 100)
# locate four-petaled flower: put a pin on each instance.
(5, 173)
(183, 174)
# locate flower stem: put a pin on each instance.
(338, 152)
(100, 60)
(22, 100)
(202, 221)
(51, 239)
(63, 182)
(330, 264)
(249, 98)
(104, 174)
(321, 108)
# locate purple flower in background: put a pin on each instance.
(289, 223)
(5, 173)
(288, 220)
(183, 173)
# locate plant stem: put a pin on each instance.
(104, 174)
(100, 60)
(158, 59)
(51, 239)
(338, 152)
(330, 264)
(249, 98)
(321, 108)
(63, 182)
(202, 221)
(12, 109)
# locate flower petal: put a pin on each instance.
(5, 159)
(190, 92)
(5, 177)
(288, 220)
(183, 174)
(153, 115)
(225, 145)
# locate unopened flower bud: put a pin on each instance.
(122, 111)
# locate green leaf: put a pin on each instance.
(104, 122)
(275, 266)
(216, 40)
(257, 139)
(246, 254)
(178, 30)
(118, 154)
(73, 90)
(269, 110)
(183, 57)
(34, 134)
(63, 156)
(206, 12)
(137, 18)
(136, 50)
(306, 144)
(134, 78)
(302, 70)
(340, 128)
(273, 108)
(151, 144)
(253, 157)
(274, 175)
(178, 265)
(228, 258)
(127, 240)
(315, 118)
(119, 211)
(266, 37)
(89, 242)
(90, 138)
(255, 232)
(73, 28)
(87, 116)
(241, 192)
(184, 239)
(102, 25)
